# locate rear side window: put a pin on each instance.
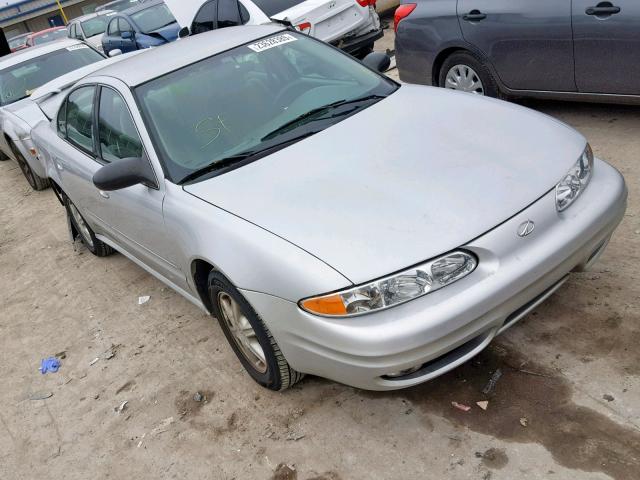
(271, 7)
(219, 14)
(79, 124)
(118, 135)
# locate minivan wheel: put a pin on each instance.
(35, 181)
(464, 72)
(95, 246)
(249, 337)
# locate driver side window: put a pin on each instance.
(79, 118)
(117, 132)
(124, 26)
(113, 28)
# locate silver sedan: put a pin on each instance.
(334, 222)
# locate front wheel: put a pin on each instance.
(78, 223)
(249, 337)
(464, 72)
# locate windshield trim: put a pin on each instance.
(152, 134)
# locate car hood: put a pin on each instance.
(27, 111)
(415, 175)
(167, 34)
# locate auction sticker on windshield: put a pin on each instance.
(76, 47)
(271, 42)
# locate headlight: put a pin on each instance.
(394, 289)
(575, 181)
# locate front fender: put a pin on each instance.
(251, 257)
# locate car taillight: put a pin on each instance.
(401, 12)
(304, 26)
(366, 3)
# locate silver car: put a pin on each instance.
(22, 75)
(230, 166)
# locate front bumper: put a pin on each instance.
(445, 328)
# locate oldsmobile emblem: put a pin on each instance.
(526, 228)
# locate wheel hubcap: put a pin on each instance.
(84, 229)
(465, 79)
(242, 332)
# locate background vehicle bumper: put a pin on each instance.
(446, 328)
(352, 45)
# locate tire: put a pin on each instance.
(3, 156)
(84, 231)
(35, 181)
(479, 69)
(272, 370)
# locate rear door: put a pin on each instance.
(607, 46)
(529, 42)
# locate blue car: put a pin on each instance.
(148, 24)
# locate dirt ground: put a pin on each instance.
(566, 407)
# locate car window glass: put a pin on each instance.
(228, 13)
(230, 103)
(153, 18)
(113, 28)
(94, 26)
(124, 26)
(271, 7)
(118, 135)
(62, 120)
(205, 18)
(80, 117)
(19, 81)
(244, 13)
(72, 30)
(50, 36)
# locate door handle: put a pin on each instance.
(602, 9)
(474, 16)
(103, 194)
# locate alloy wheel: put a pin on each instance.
(465, 79)
(242, 332)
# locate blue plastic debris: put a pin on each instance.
(51, 364)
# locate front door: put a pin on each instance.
(607, 46)
(133, 215)
(529, 42)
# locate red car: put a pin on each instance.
(19, 42)
(48, 35)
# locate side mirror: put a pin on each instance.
(377, 61)
(124, 173)
(184, 32)
(115, 52)
(127, 35)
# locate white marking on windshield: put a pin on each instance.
(271, 42)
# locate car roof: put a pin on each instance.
(89, 16)
(46, 30)
(158, 61)
(37, 51)
(141, 6)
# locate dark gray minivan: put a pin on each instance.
(571, 49)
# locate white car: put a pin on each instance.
(90, 28)
(352, 25)
(23, 94)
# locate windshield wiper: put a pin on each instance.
(314, 112)
(243, 157)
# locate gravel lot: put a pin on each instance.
(566, 407)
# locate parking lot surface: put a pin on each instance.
(567, 405)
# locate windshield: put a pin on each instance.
(153, 18)
(18, 42)
(271, 7)
(50, 36)
(251, 98)
(19, 81)
(94, 26)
